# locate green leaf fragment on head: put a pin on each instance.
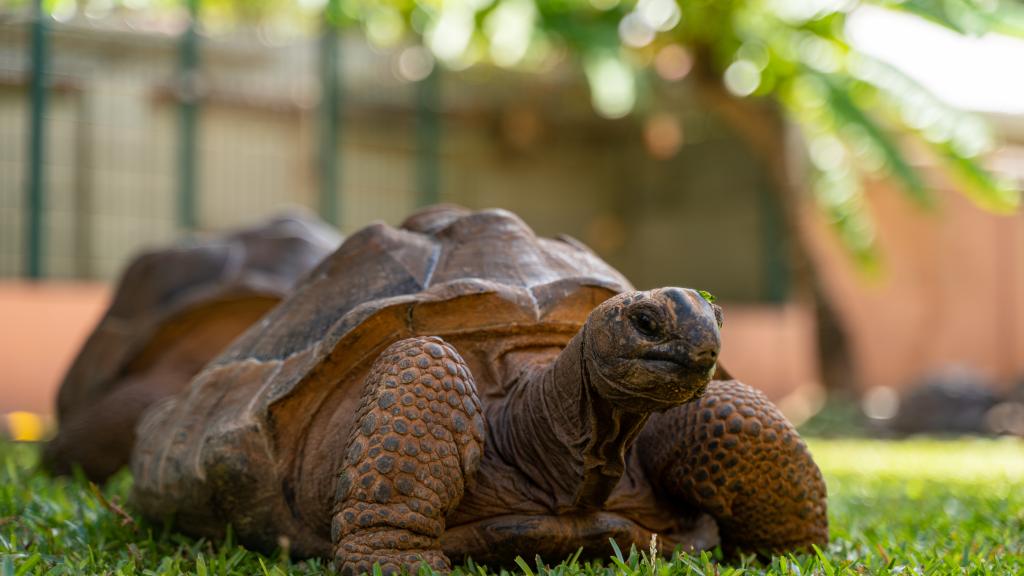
(707, 296)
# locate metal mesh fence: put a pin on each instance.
(121, 171)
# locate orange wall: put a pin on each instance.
(773, 348)
(952, 290)
(41, 327)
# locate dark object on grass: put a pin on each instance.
(174, 309)
(459, 387)
(954, 400)
(1007, 417)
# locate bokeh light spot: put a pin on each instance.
(663, 135)
(742, 77)
(634, 31)
(673, 62)
(612, 86)
(881, 403)
(660, 15)
(415, 63)
(449, 36)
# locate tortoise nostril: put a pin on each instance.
(705, 354)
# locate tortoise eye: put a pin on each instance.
(645, 324)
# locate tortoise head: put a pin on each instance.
(652, 350)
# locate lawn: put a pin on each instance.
(911, 507)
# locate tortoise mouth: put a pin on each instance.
(661, 380)
(665, 361)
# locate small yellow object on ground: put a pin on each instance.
(25, 426)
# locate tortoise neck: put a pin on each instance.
(572, 440)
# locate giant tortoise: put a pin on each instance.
(174, 309)
(461, 387)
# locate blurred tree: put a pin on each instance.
(754, 63)
(749, 59)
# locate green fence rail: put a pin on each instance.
(330, 119)
(36, 186)
(428, 138)
(189, 87)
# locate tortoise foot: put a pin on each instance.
(358, 555)
(417, 440)
(733, 455)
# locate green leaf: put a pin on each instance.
(965, 16)
(707, 296)
(28, 565)
(618, 553)
(524, 566)
(849, 112)
(978, 184)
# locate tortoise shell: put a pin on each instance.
(164, 293)
(279, 397)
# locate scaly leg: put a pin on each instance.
(417, 442)
(99, 437)
(733, 455)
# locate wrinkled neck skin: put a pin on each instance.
(562, 434)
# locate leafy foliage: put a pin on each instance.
(916, 507)
(853, 110)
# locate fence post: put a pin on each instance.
(330, 85)
(773, 246)
(188, 85)
(428, 137)
(35, 191)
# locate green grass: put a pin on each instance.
(915, 507)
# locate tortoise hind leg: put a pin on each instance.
(734, 455)
(416, 443)
(99, 437)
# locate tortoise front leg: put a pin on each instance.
(417, 441)
(734, 455)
